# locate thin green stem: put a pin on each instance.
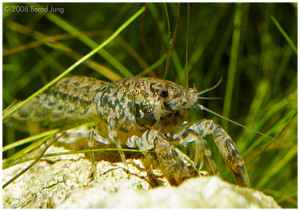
(28, 140)
(169, 38)
(288, 39)
(86, 40)
(233, 62)
(187, 48)
(70, 153)
(152, 67)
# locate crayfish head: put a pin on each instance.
(182, 99)
(172, 97)
(156, 99)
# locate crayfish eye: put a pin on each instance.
(164, 93)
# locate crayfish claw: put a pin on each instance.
(242, 177)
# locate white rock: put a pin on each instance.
(64, 183)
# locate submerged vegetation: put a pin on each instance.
(252, 47)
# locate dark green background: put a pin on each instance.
(264, 95)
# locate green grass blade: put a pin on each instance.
(175, 57)
(69, 153)
(152, 67)
(288, 39)
(29, 140)
(276, 168)
(8, 162)
(86, 40)
(233, 62)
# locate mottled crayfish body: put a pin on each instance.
(127, 112)
(134, 102)
(130, 105)
(71, 100)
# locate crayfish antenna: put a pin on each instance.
(211, 88)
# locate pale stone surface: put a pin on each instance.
(63, 182)
(49, 183)
(201, 192)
